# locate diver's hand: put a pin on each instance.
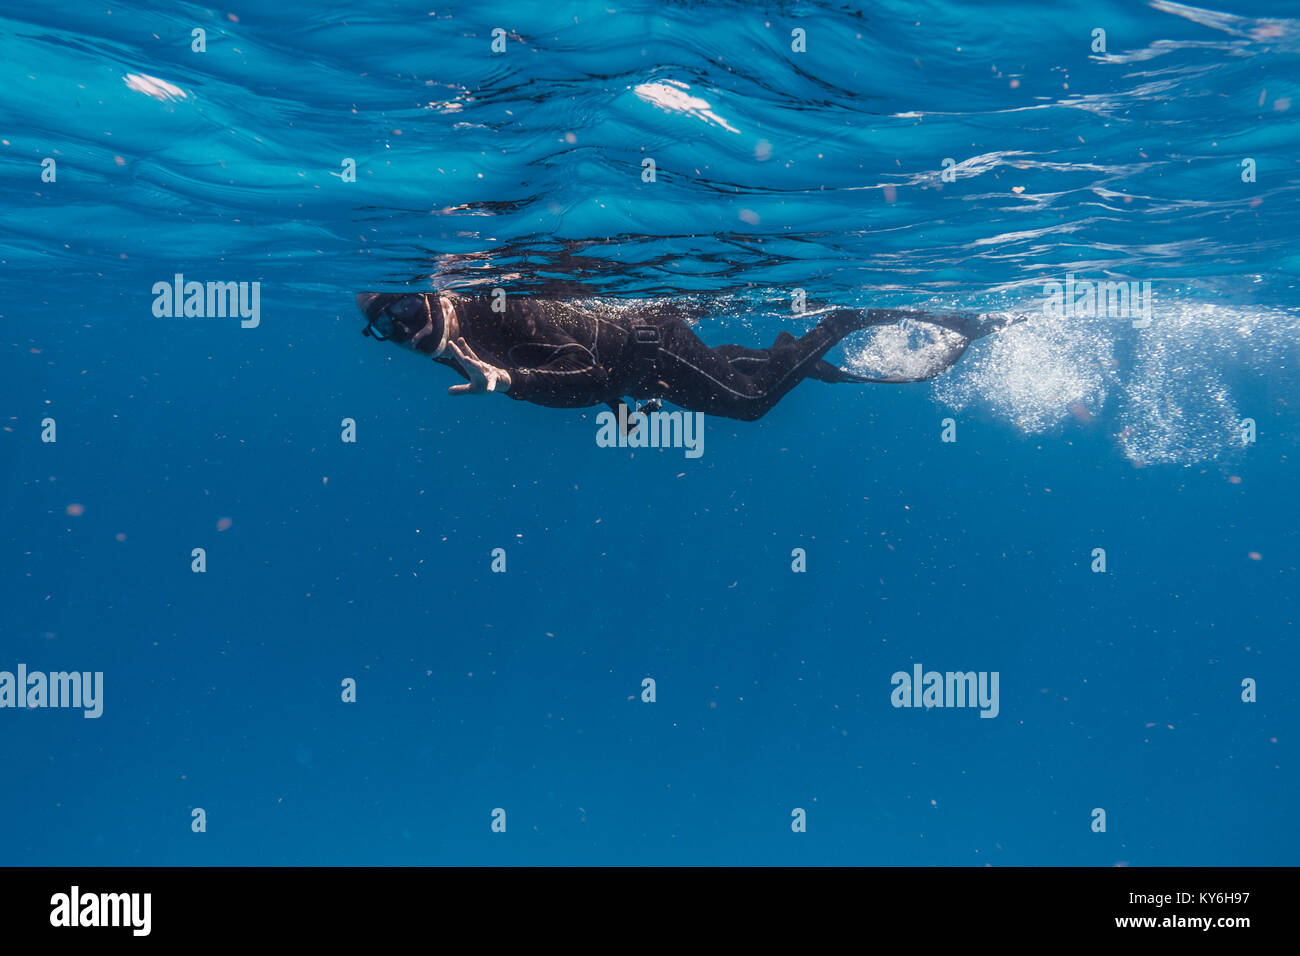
(482, 376)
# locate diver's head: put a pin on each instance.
(400, 318)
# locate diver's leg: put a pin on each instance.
(742, 358)
(739, 382)
(699, 378)
(790, 359)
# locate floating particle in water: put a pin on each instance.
(1255, 556)
(224, 523)
(76, 511)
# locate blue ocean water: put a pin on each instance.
(1161, 151)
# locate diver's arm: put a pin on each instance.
(573, 379)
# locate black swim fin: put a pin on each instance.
(971, 325)
(824, 371)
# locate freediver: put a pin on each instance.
(568, 355)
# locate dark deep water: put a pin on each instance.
(776, 171)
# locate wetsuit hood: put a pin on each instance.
(415, 321)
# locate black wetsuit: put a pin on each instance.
(567, 355)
